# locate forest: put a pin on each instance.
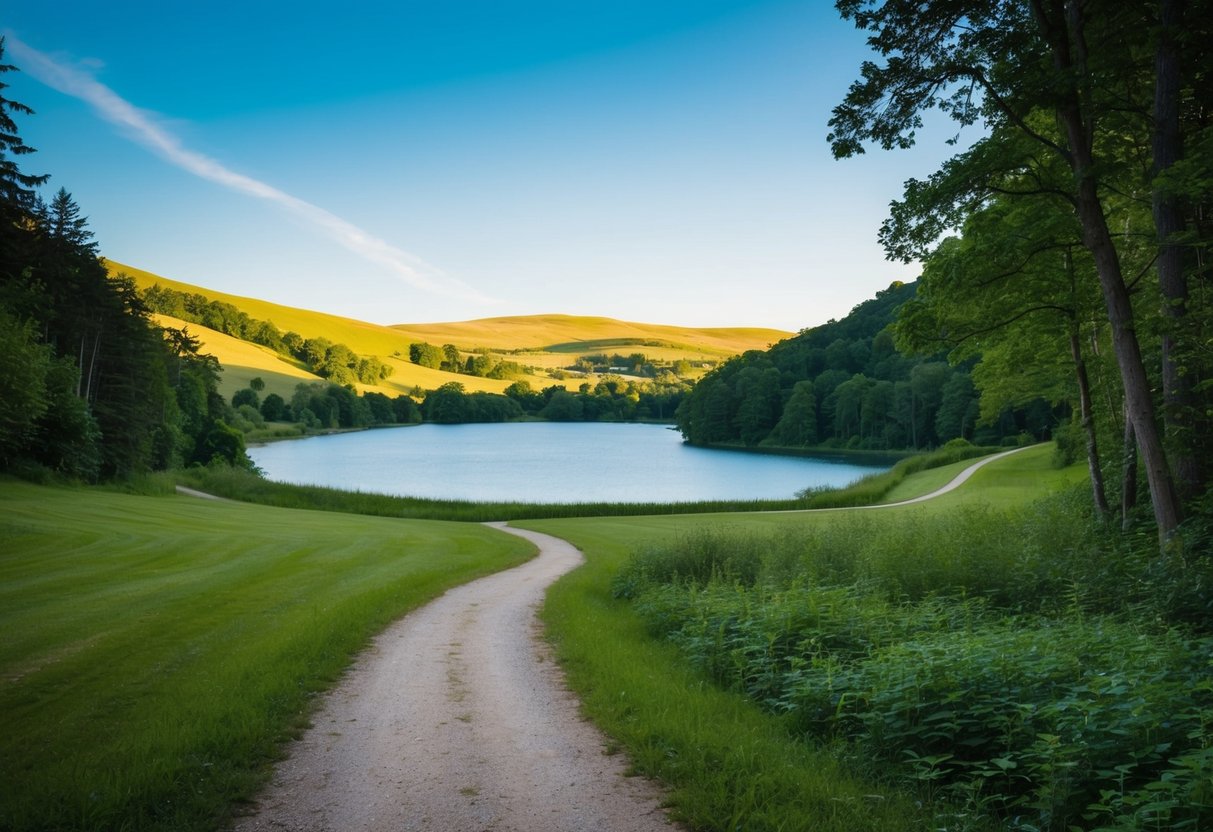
(846, 385)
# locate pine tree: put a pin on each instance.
(16, 188)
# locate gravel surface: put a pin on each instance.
(457, 718)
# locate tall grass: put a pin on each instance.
(156, 650)
(727, 764)
(1018, 665)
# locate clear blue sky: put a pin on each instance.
(423, 161)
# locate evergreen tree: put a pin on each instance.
(17, 194)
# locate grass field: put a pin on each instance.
(157, 649)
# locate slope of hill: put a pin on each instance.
(582, 334)
(541, 342)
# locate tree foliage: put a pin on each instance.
(1090, 111)
(842, 384)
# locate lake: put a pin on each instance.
(544, 462)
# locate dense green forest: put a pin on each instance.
(845, 384)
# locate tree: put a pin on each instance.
(1014, 293)
(315, 350)
(957, 409)
(273, 408)
(563, 406)
(1046, 79)
(425, 355)
(760, 403)
(16, 188)
(246, 396)
(448, 405)
(24, 365)
(797, 424)
(406, 410)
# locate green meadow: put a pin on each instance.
(158, 649)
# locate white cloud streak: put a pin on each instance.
(142, 126)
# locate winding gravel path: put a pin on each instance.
(457, 720)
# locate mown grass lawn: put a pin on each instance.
(157, 649)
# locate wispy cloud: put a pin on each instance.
(144, 128)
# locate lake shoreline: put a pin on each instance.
(551, 462)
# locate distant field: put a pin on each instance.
(583, 334)
(545, 342)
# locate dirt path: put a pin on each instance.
(953, 484)
(457, 719)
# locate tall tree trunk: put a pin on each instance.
(1139, 406)
(1068, 44)
(1168, 223)
(1088, 425)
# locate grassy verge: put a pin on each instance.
(157, 649)
(730, 763)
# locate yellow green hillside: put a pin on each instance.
(580, 334)
(545, 343)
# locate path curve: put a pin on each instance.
(956, 482)
(457, 718)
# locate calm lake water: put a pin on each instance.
(543, 462)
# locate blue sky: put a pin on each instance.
(407, 162)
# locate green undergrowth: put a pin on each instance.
(726, 763)
(1018, 666)
(238, 484)
(158, 649)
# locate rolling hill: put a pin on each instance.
(543, 343)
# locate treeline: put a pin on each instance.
(321, 405)
(845, 384)
(612, 399)
(89, 386)
(451, 359)
(636, 363)
(335, 362)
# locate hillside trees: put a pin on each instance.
(842, 384)
(336, 362)
(1086, 87)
